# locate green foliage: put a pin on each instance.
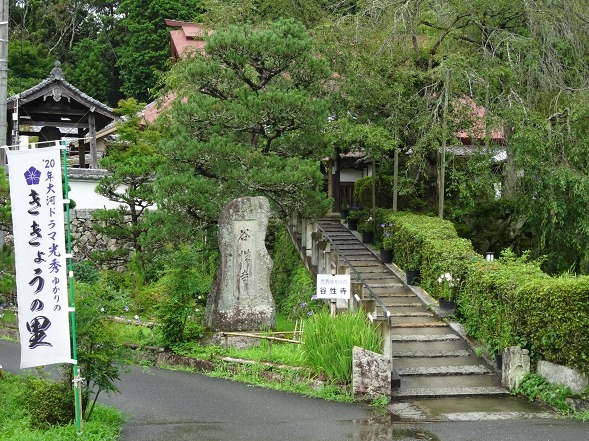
(184, 287)
(7, 276)
(553, 316)
(383, 192)
(328, 342)
(85, 272)
(15, 418)
(5, 212)
(144, 45)
(49, 403)
(132, 163)
(290, 282)
(412, 232)
(450, 256)
(250, 123)
(99, 356)
(536, 387)
(488, 300)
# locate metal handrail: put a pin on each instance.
(358, 276)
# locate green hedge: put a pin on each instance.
(501, 303)
(384, 192)
(553, 316)
(411, 232)
(488, 300)
(454, 256)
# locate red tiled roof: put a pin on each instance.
(468, 110)
(190, 36)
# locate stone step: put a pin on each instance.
(437, 346)
(431, 354)
(392, 285)
(360, 258)
(425, 338)
(479, 369)
(423, 392)
(436, 324)
(445, 381)
(439, 362)
(412, 314)
(404, 305)
(391, 294)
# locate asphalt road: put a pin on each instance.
(177, 405)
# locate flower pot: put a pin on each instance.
(447, 305)
(499, 360)
(413, 276)
(386, 256)
(367, 236)
(352, 224)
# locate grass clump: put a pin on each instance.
(328, 342)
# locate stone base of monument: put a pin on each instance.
(231, 341)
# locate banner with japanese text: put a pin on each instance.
(40, 256)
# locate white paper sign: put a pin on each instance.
(333, 286)
(39, 246)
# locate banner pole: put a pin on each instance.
(77, 379)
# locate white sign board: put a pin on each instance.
(40, 256)
(331, 286)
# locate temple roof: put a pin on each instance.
(57, 103)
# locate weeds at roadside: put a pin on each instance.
(537, 388)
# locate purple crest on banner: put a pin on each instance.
(32, 175)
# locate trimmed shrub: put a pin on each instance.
(411, 231)
(552, 314)
(488, 301)
(384, 192)
(49, 403)
(453, 256)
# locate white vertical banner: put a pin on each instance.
(40, 256)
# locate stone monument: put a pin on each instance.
(240, 299)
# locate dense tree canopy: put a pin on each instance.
(247, 120)
(402, 66)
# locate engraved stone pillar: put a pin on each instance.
(240, 299)
(516, 365)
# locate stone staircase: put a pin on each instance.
(430, 358)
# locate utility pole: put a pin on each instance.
(3, 76)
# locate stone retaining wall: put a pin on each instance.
(85, 239)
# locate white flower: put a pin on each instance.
(446, 277)
(101, 309)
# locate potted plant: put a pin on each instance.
(352, 218)
(447, 298)
(386, 252)
(344, 210)
(366, 227)
(413, 273)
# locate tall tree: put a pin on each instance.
(132, 162)
(144, 47)
(247, 120)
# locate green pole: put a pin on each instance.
(76, 372)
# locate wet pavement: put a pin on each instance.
(180, 406)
